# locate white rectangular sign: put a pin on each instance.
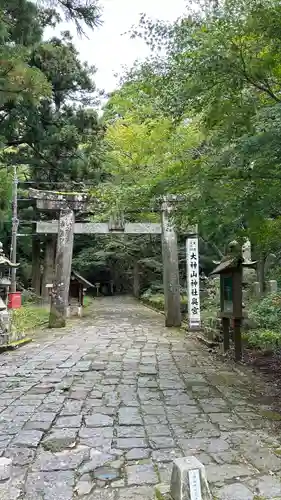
(193, 288)
(194, 485)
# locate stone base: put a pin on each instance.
(189, 480)
(56, 319)
(271, 286)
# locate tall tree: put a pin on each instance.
(218, 84)
(47, 99)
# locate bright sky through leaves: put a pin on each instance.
(108, 48)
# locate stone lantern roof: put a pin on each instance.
(232, 259)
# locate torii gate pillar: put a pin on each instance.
(67, 204)
(60, 290)
(170, 267)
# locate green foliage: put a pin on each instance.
(81, 12)
(5, 193)
(29, 297)
(48, 123)
(203, 120)
(157, 300)
(266, 340)
(274, 273)
(34, 73)
(88, 260)
(267, 312)
(87, 301)
(107, 257)
(29, 317)
(59, 141)
(19, 28)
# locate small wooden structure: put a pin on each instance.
(230, 270)
(78, 287)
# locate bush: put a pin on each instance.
(29, 296)
(157, 288)
(274, 273)
(87, 301)
(157, 300)
(29, 317)
(267, 312)
(267, 340)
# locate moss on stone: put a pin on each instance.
(56, 320)
(162, 492)
(271, 415)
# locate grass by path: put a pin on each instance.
(32, 316)
(29, 317)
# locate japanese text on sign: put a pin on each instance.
(193, 289)
(194, 485)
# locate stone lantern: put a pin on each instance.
(230, 270)
(5, 282)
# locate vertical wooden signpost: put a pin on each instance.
(193, 283)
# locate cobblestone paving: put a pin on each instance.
(100, 412)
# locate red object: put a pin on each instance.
(14, 300)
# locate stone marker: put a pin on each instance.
(271, 286)
(189, 480)
(256, 289)
(5, 468)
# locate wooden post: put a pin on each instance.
(170, 268)
(237, 339)
(225, 329)
(59, 302)
(136, 280)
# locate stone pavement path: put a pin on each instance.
(99, 410)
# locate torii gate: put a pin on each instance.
(69, 203)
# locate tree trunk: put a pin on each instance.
(136, 281)
(49, 264)
(36, 271)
